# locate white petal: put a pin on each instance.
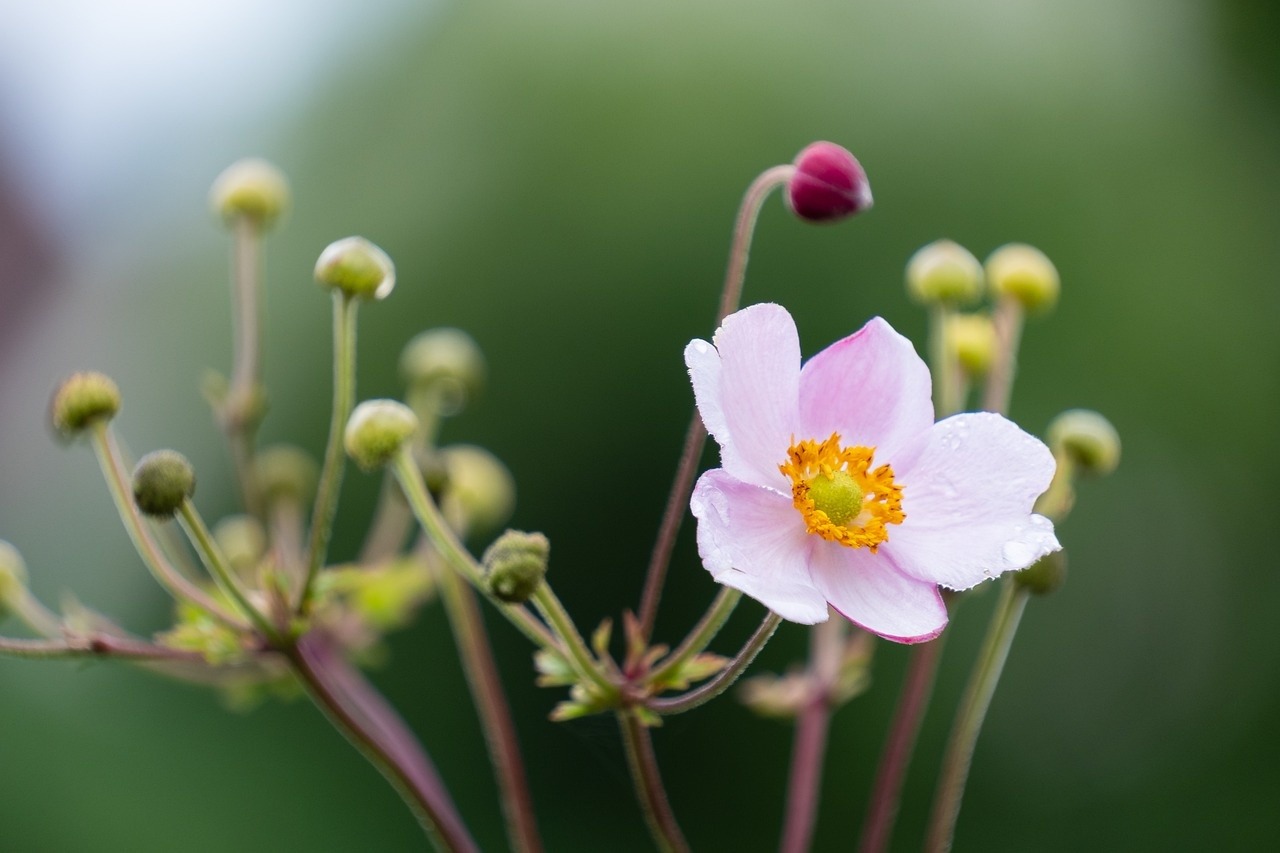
(751, 404)
(869, 590)
(752, 538)
(871, 388)
(968, 499)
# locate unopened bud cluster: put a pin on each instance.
(162, 481)
(82, 400)
(377, 430)
(356, 267)
(515, 564)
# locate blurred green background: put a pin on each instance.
(559, 178)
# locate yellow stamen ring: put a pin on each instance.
(840, 499)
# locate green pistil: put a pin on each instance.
(838, 496)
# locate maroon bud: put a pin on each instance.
(828, 185)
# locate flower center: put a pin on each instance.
(839, 498)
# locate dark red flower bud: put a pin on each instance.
(828, 185)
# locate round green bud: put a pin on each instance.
(1026, 274)
(479, 491)
(242, 540)
(162, 481)
(944, 272)
(357, 268)
(1087, 439)
(447, 362)
(1045, 575)
(81, 400)
(972, 338)
(515, 564)
(13, 574)
(286, 472)
(376, 431)
(251, 189)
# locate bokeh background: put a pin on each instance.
(559, 178)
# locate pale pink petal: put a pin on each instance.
(751, 538)
(870, 387)
(869, 590)
(968, 499)
(758, 399)
(704, 371)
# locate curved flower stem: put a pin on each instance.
(422, 792)
(648, 784)
(827, 644)
(344, 390)
(495, 713)
(211, 555)
(701, 635)
(696, 436)
(973, 710)
(95, 645)
(723, 679)
(34, 614)
(240, 409)
(447, 544)
(571, 641)
(917, 687)
(182, 589)
(1007, 318)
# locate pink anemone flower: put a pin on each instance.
(837, 488)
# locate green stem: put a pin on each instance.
(216, 563)
(95, 645)
(1008, 319)
(942, 362)
(701, 635)
(241, 407)
(571, 641)
(453, 552)
(344, 390)
(696, 436)
(182, 589)
(648, 784)
(723, 679)
(973, 710)
(495, 714)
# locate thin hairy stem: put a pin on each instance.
(344, 390)
(495, 714)
(455, 555)
(947, 380)
(95, 645)
(973, 710)
(425, 796)
(1008, 319)
(696, 436)
(570, 640)
(723, 679)
(886, 791)
(118, 481)
(648, 784)
(202, 540)
(701, 635)
(804, 785)
(242, 406)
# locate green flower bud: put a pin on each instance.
(1045, 575)
(479, 493)
(82, 399)
(1026, 274)
(973, 341)
(251, 188)
(242, 540)
(447, 362)
(1087, 439)
(376, 431)
(286, 472)
(515, 564)
(13, 575)
(357, 268)
(944, 272)
(162, 481)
